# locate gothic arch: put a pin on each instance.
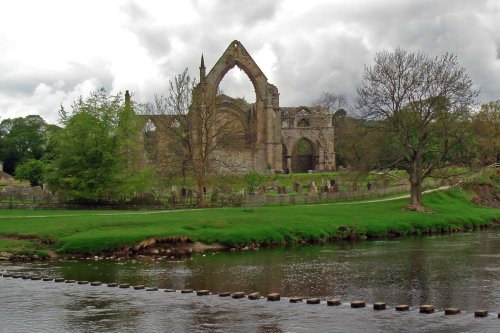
(304, 155)
(237, 55)
(267, 134)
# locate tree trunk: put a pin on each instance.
(416, 194)
(416, 183)
(201, 194)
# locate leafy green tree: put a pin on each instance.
(486, 129)
(32, 170)
(21, 139)
(424, 105)
(95, 152)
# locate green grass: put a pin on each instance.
(90, 232)
(21, 246)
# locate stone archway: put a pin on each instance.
(303, 156)
(267, 148)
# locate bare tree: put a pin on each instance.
(423, 105)
(198, 131)
(332, 101)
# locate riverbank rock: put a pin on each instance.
(5, 256)
(486, 195)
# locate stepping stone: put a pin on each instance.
(96, 283)
(379, 306)
(402, 307)
(170, 290)
(273, 297)
(112, 285)
(17, 276)
(186, 291)
(7, 275)
(59, 280)
(69, 281)
(124, 285)
(295, 300)
(225, 294)
(481, 313)
(203, 292)
(254, 296)
(47, 278)
(139, 287)
(83, 282)
(152, 289)
(358, 304)
(36, 278)
(426, 308)
(313, 301)
(333, 302)
(238, 294)
(451, 311)
(26, 277)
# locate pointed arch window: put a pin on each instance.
(304, 122)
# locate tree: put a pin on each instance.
(32, 170)
(332, 101)
(486, 128)
(95, 152)
(423, 104)
(203, 131)
(21, 139)
(197, 132)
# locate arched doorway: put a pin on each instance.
(303, 156)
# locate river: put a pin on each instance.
(459, 270)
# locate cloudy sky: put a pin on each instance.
(51, 52)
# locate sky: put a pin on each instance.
(52, 52)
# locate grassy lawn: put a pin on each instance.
(97, 231)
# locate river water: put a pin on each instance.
(460, 270)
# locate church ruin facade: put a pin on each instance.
(271, 138)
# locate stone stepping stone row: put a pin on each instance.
(425, 308)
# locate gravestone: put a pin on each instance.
(274, 185)
(296, 187)
(354, 187)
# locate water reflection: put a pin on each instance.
(460, 270)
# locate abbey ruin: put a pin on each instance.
(270, 138)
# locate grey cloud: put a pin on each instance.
(152, 36)
(244, 12)
(65, 80)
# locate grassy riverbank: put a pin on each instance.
(86, 232)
